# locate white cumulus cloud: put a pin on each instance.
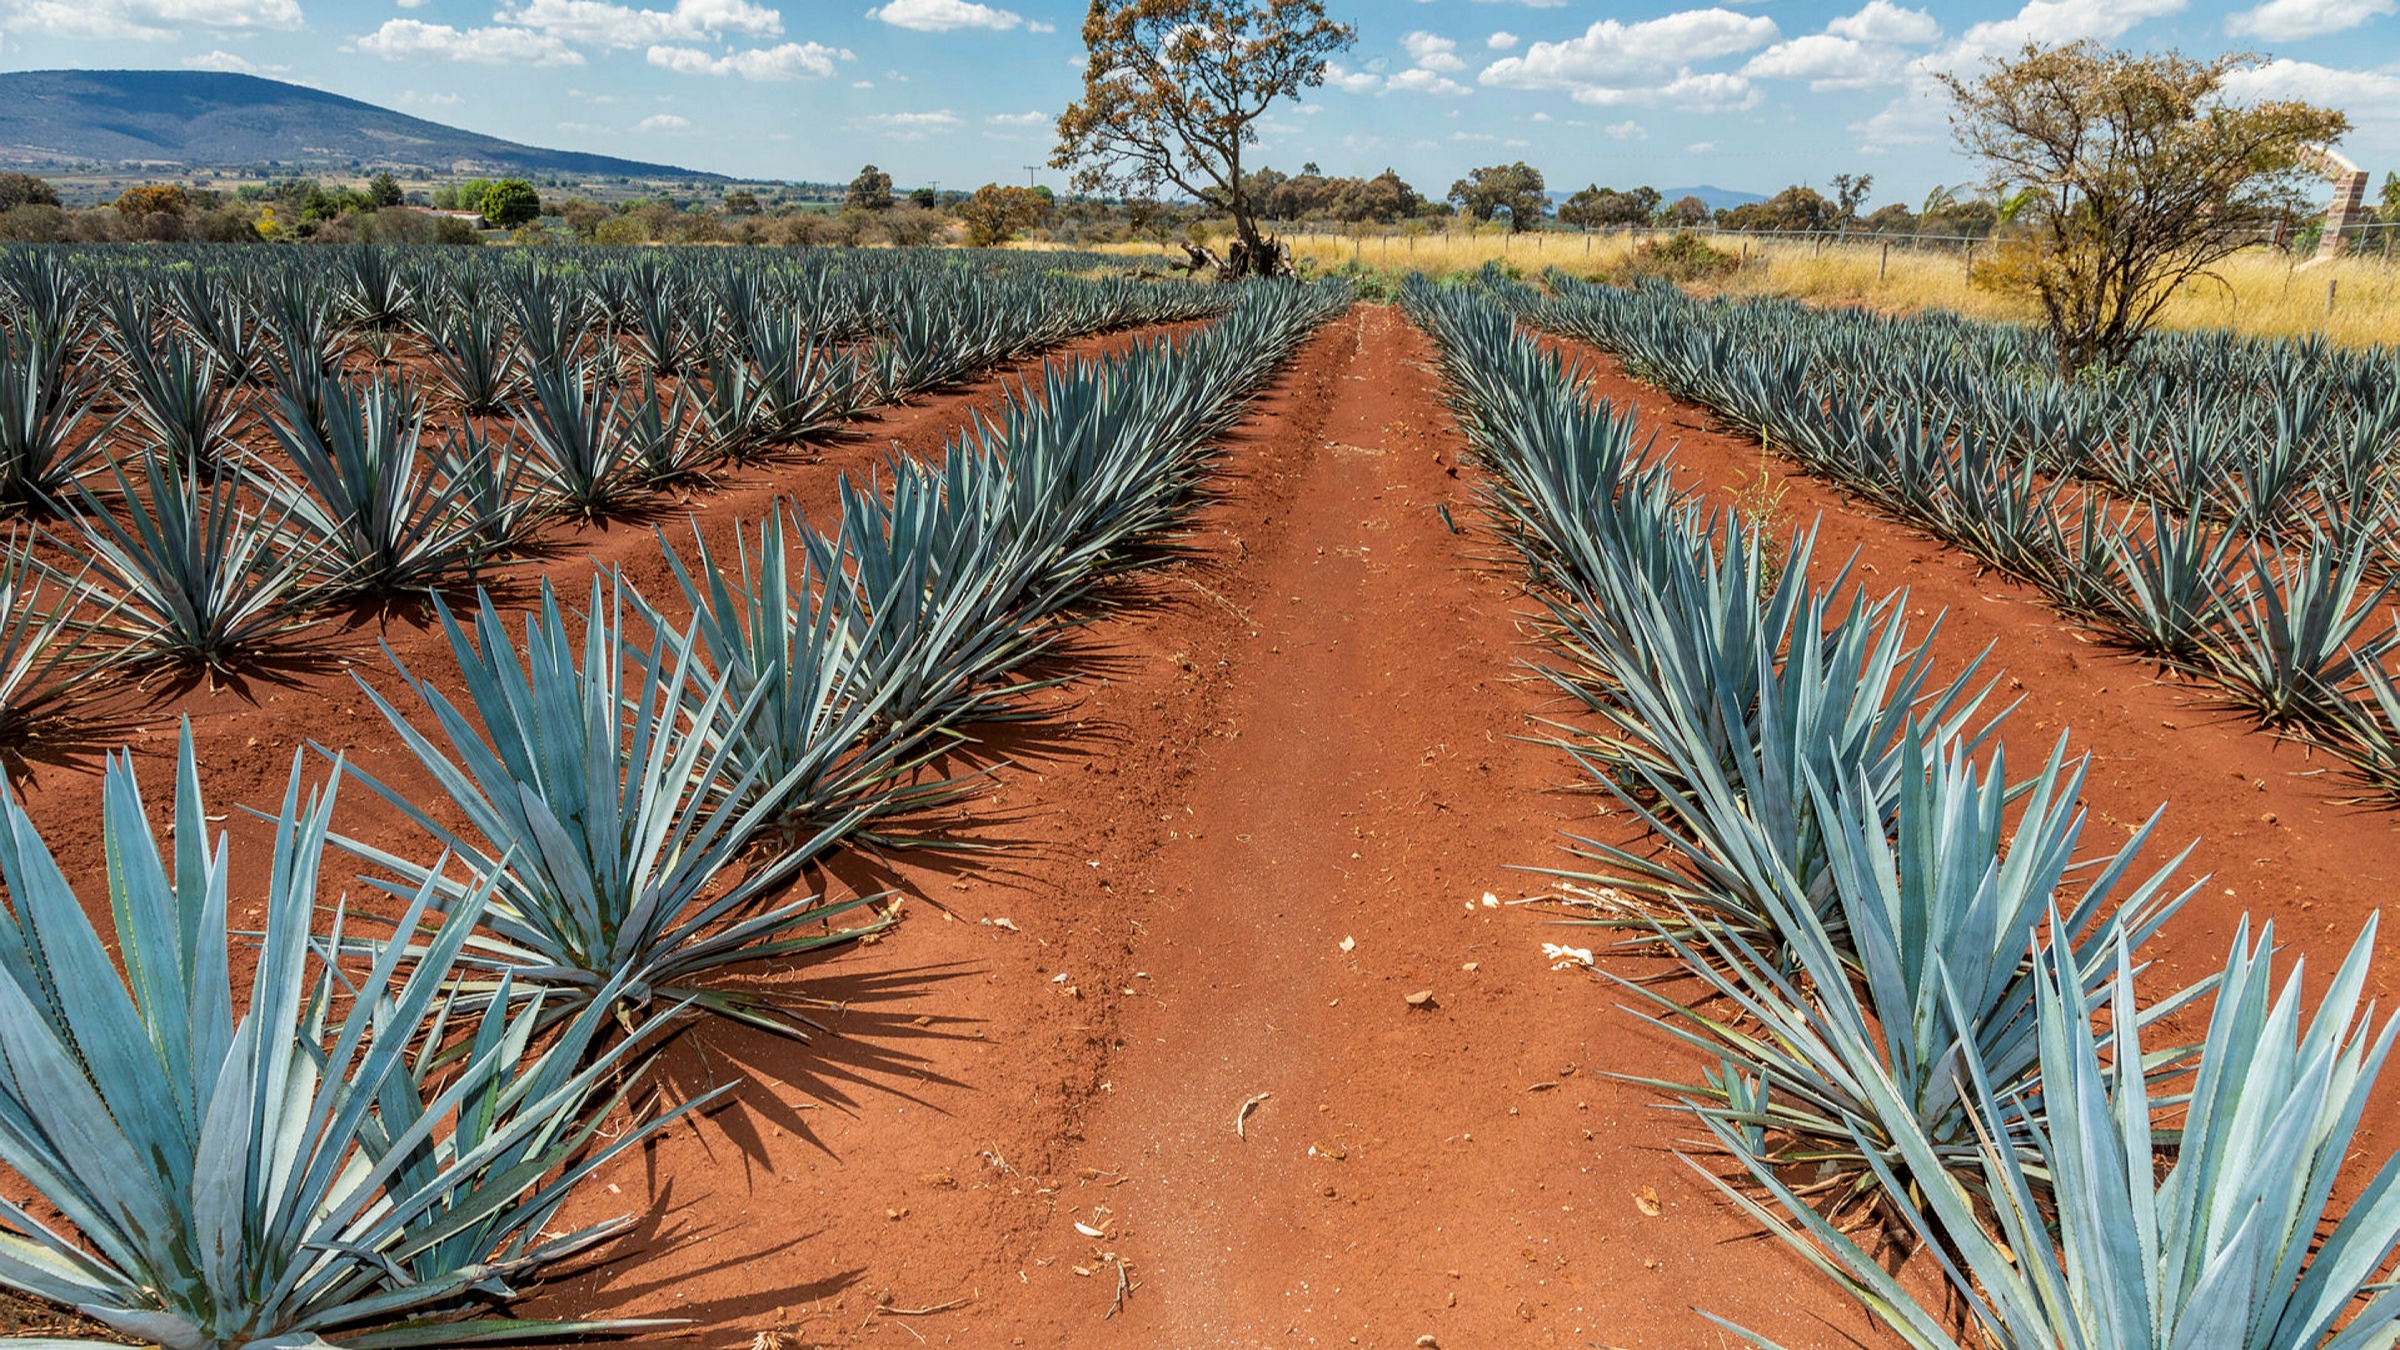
(663, 122)
(1829, 62)
(1646, 63)
(229, 63)
(909, 126)
(599, 24)
(787, 61)
(143, 20)
(2290, 20)
(1502, 41)
(2354, 91)
(1422, 81)
(416, 40)
(941, 16)
(1347, 80)
(1428, 52)
(1883, 21)
(1023, 119)
(2049, 22)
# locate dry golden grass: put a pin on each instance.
(2353, 301)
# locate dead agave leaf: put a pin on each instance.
(1088, 1231)
(1646, 1200)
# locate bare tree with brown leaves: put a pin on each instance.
(1173, 92)
(2127, 176)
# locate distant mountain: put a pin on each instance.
(203, 119)
(1718, 198)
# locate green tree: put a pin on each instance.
(384, 190)
(741, 202)
(511, 202)
(870, 191)
(1597, 206)
(2130, 174)
(1850, 193)
(1515, 188)
(23, 189)
(1686, 211)
(1794, 208)
(996, 214)
(1172, 94)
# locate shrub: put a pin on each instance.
(619, 232)
(23, 189)
(35, 223)
(1683, 257)
(140, 202)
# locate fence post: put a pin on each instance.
(1884, 263)
(2330, 284)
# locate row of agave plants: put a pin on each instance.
(2264, 434)
(1918, 996)
(2283, 608)
(372, 1148)
(209, 450)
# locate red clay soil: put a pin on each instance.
(2276, 832)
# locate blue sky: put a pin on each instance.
(960, 92)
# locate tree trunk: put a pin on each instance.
(1252, 254)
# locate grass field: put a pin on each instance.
(2355, 301)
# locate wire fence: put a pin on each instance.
(2377, 240)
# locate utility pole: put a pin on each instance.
(1029, 175)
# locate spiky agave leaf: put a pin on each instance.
(2227, 1246)
(258, 1177)
(579, 445)
(493, 485)
(610, 842)
(474, 362)
(386, 522)
(178, 393)
(802, 706)
(45, 441)
(43, 659)
(195, 577)
(2292, 631)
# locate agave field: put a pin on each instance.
(420, 1033)
(210, 455)
(2224, 503)
(1915, 974)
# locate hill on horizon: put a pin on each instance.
(1718, 199)
(207, 119)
